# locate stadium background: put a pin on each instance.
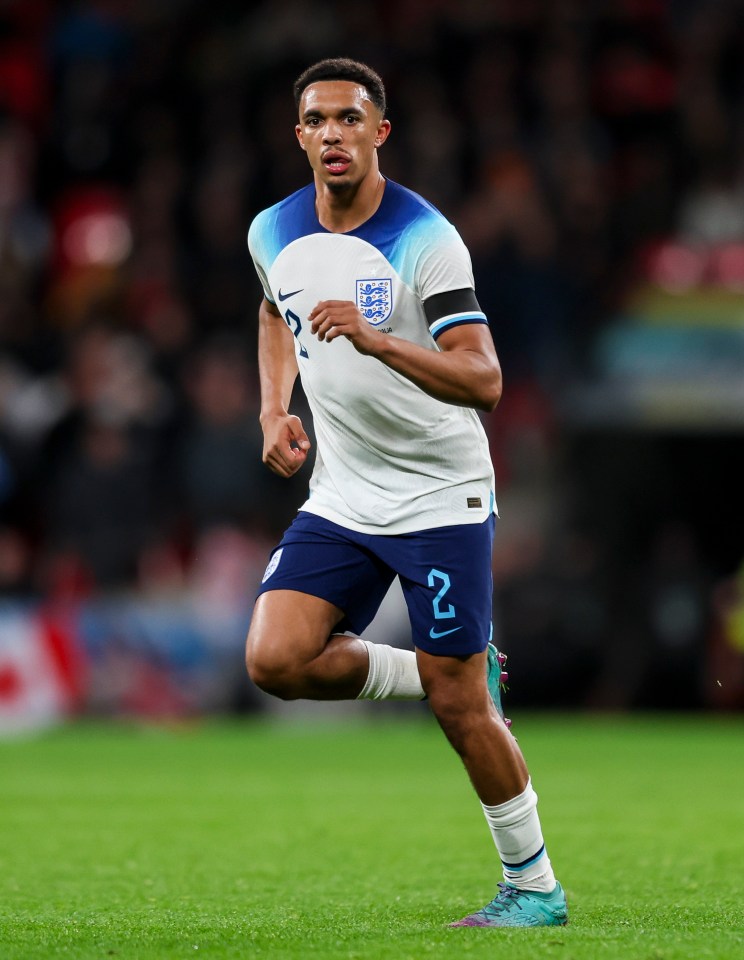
(592, 156)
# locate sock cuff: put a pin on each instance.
(514, 810)
(393, 674)
(375, 655)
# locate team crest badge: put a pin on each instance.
(273, 564)
(375, 300)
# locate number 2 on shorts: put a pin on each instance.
(436, 576)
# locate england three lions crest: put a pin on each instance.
(375, 300)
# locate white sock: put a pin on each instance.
(393, 674)
(516, 831)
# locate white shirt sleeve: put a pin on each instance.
(443, 264)
(255, 248)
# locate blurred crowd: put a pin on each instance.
(138, 139)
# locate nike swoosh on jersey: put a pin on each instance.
(285, 296)
(435, 635)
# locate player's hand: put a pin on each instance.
(341, 318)
(286, 445)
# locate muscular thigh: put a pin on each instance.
(290, 626)
(321, 577)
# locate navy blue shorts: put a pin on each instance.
(445, 573)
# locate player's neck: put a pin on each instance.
(343, 210)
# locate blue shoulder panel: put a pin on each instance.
(276, 227)
(403, 224)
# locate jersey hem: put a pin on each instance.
(400, 526)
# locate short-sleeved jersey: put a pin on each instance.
(390, 458)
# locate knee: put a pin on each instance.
(270, 672)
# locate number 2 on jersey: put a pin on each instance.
(291, 317)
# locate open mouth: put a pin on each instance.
(336, 163)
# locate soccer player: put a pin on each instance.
(369, 294)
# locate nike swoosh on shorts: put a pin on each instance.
(436, 635)
(285, 296)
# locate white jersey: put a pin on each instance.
(390, 458)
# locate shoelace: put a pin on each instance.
(507, 896)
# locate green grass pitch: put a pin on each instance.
(363, 840)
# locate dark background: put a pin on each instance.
(592, 157)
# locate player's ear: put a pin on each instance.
(298, 133)
(383, 131)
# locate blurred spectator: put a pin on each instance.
(102, 505)
(223, 479)
(15, 564)
(569, 142)
(102, 465)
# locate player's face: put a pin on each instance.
(340, 129)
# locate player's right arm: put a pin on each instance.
(286, 444)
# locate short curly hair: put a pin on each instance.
(341, 68)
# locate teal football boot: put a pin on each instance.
(496, 678)
(520, 908)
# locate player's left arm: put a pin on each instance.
(464, 371)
